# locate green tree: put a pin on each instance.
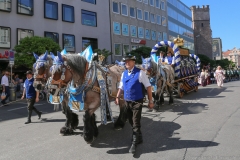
(28, 45)
(224, 63)
(103, 52)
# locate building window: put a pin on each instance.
(153, 33)
(159, 36)
(6, 5)
(152, 16)
(54, 36)
(158, 19)
(147, 34)
(162, 5)
(50, 10)
(134, 47)
(139, 14)
(164, 21)
(202, 24)
(90, 1)
(25, 7)
(133, 31)
(146, 16)
(89, 18)
(115, 7)
(124, 9)
(125, 29)
(69, 42)
(89, 41)
(5, 37)
(22, 33)
(151, 2)
(158, 4)
(140, 32)
(165, 36)
(117, 49)
(139, 0)
(116, 28)
(132, 12)
(126, 49)
(67, 13)
(145, 1)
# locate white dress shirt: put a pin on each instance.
(143, 78)
(5, 81)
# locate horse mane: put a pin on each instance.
(76, 62)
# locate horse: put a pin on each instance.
(86, 86)
(42, 72)
(161, 77)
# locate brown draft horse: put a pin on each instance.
(42, 72)
(71, 69)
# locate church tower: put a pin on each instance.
(202, 30)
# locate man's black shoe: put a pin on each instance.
(29, 121)
(39, 115)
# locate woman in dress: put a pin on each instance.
(202, 78)
(219, 76)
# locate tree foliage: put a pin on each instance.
(28, 45)
(224, 63)
(103, 52)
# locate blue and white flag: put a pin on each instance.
(154, 57)
(63, 52)
(87, 53)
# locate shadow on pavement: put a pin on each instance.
(157, 137)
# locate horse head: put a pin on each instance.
(68, 68)
(149, 65)
(41, 69)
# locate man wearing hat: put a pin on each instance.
(132, 82)
(31, 96)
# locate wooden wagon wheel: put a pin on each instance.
(196, 87)
(180, 90)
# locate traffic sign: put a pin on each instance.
(11, 62)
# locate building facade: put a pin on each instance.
(202, 30)
(233, 55)
(180, 23)
(217, 48)
(136, 23)
(72, 24)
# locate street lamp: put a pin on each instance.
(196, 44)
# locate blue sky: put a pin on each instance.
(224, 20)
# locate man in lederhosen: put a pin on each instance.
(132, 82)
(32, 96)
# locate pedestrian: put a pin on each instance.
(207, 77)
(202, 78)
(17, 83)
(219, 76)
(32, 96)
(170, 59)
(132, 82)
(5, 87)
(161, 56)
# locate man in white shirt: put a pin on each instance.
(5, 85)
(132, 82)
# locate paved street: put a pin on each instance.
(202, 125)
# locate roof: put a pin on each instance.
(226, 54)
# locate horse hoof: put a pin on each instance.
(66, 131)
(91, 141)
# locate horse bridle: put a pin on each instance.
(39, 79)
(60, 83)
